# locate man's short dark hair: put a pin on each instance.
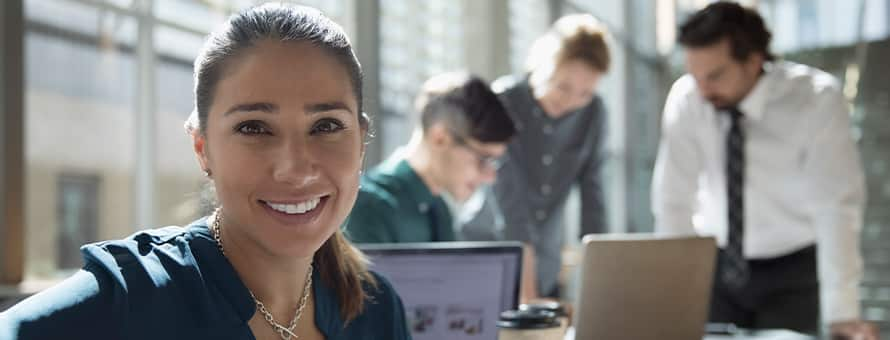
(743, 27)
(467, 106)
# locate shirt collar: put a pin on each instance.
(233, 290)
(537, 110)
(222, 273)
(754, 104)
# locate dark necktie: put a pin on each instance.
(735, 271)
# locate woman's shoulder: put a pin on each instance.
(152, 262)
(169, 243)
(128, 285)
(513, 90)
(508, 83)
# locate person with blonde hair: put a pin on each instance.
(279, 130)
(561, 123)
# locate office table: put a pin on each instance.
(749, 335)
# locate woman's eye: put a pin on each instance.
(252, 128)
(327, 126)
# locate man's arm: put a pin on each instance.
(837, 190)
(678, 166)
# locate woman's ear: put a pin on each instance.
(199, 143)
(365, 123)
(361, 164)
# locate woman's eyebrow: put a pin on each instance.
(325, 107)
(252, 107)
(310, 109)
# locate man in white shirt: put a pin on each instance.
(758, 153)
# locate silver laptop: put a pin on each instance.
(451, 290)
(639, 286)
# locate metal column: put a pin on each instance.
(12, 229)
(144, 167)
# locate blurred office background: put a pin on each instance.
(94, 94)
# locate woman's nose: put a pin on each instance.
(295, 165)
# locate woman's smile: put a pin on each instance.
(296, 212)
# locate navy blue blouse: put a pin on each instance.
(174, 283)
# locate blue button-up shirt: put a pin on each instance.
(174, 283)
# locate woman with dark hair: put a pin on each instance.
(278, 129)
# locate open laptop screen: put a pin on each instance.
(451, 290)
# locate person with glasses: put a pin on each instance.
(561, 126)
(457, 147)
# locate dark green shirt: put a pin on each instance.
(174, 283)
(394, 205)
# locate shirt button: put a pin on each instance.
(541, 215)
(547, 129)
(545, 189)
(423, 207)
(547, 159)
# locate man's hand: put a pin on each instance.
(853, 330)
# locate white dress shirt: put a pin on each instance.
(803, 181)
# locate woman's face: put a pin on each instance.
(571, 86)
(284, 145)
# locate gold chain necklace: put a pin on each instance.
(286, 332)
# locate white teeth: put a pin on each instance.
(301, 208)
(293, 209)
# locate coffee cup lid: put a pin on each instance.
(527, 319)
(551, 306)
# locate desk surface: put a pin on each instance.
(756, 335)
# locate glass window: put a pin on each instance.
(529, 19)
(81, 99)
(811, 24)
(177, 44)
(418, 40)
(200, 16)
(78, 217)
(79, 95)
(178, 177)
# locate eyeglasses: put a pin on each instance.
(483, 160)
